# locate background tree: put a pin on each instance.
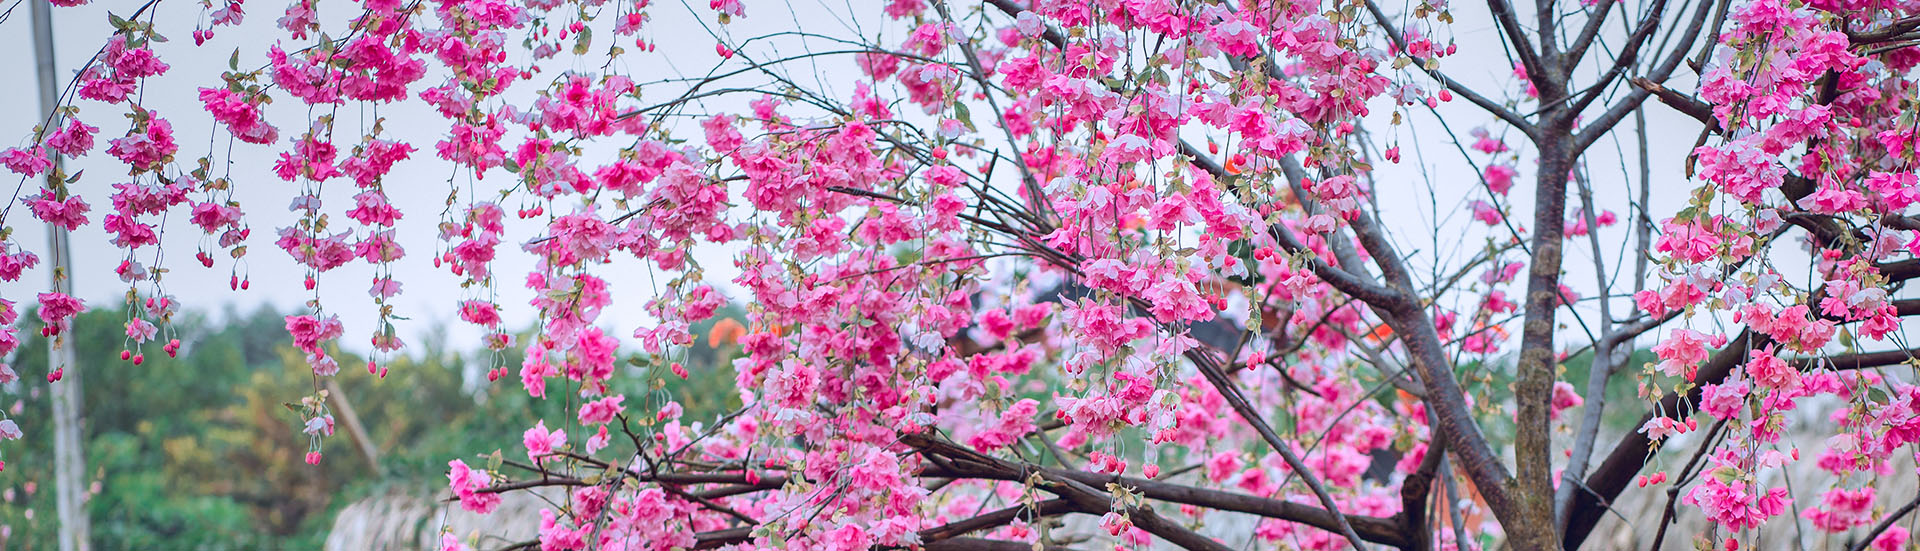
(1134, 260)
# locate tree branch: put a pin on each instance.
(1399, 42)
(1085, 498)
(1599, 371)
(1863, 360)
(1591, 30)
(1047, 508)
(1510, 26)
(1688, 106)
(971, 464)
(1605, 122)
(1630, 54)
(1211, 370)
(1884, 524)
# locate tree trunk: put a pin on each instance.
(1530, 525)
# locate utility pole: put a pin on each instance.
(69, 461)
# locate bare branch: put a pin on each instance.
(1885, 523)
(1510, 27)
(1688, 106)
(1606, 121)
(1630, 53)
(1047, 508)
(1601, 13)
(1399, 41)
(1599, 371)
(971, 464)
(1863, 360)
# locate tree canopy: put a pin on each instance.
(1004, 262)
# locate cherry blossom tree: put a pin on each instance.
(1148, 262)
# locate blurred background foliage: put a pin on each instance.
(199, 452)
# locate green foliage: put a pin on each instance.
(155, 453)
(198, 452)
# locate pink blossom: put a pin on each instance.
(70, 212)
(12, 264)
(594, 352)
(1681, 352)
(141, 330)
(74, 139)
(1014, 423)
(466, 483)
(1842, 509)
(384, 288)
(1486, 213)
(146, 145)
(534, 371)
(1769, 371)
(1734, 504)
(320, 425)
(602, 411)
(28, 162)
(1659, 428)
(1564, 397)
(1688, 241)
(1499, 178)
(1833, 200)
(848, 537)
(308, 331)
(479, 313)
(556, 536)
(734, 8)
(57, 311)
(541, 443)
(598, 441)
(1724, 400)
(1894, 539)
(1486, 143)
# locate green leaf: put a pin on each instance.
(233, 62)
(966, 117)
(583, 42)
